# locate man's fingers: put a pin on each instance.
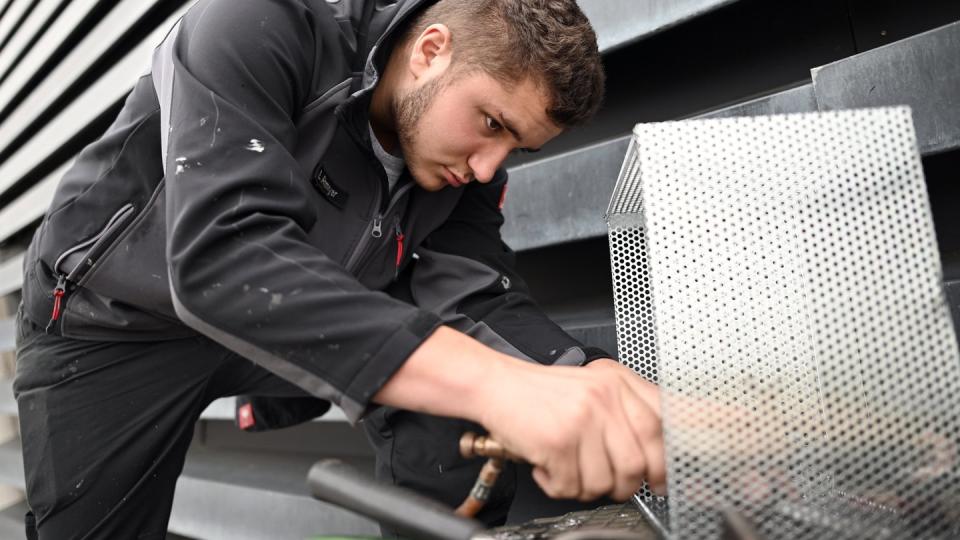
(600, 433)
(645, 426)
(596, 469)
(645, 390)
(656, 467)
(628, 460)
(557, 482)
(559, 475)
(542, 478)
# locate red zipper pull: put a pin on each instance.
(58, 293)
(57, 297)
(399, 245)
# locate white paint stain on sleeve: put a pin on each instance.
(255, 145)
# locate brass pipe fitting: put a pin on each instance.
(471, 446)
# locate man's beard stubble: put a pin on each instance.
(407, 110)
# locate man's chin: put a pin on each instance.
(435, 185)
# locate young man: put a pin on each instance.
(301, 201)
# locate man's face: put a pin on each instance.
(456, 128)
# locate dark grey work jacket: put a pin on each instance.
(268, 225)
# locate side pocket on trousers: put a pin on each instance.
(26, 330)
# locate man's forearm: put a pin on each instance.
(448, 375)
(587, 431)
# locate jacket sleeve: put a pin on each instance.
(466, 274)
(230, 79)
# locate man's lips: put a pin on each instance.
(452, 178)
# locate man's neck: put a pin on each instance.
(381, 109)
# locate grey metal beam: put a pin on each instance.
(11, 520)
(922, 71)
(795, 100)
(11, 464)
(560, 199)
(11, 274)
(621, 22)
(8, 405)
(7, 344)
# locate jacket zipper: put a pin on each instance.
(376, 228)
(60, 290)
(354, 261)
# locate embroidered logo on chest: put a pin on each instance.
(330, 191)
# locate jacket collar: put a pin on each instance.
(355, 110)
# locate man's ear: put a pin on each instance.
(431, 52)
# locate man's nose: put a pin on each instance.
(485, 162)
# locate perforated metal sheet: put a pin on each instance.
(780, 277)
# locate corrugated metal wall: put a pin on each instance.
(66, 65)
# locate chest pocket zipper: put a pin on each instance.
(87, 252)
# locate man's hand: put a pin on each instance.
(588, 431)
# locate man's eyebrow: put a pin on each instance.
(513, 131)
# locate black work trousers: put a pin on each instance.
(422, 452)
(105, 428)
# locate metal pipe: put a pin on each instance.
(412, 515)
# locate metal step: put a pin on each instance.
(233, 494)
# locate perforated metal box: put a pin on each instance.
(779, 277)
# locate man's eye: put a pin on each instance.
(492, 124)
